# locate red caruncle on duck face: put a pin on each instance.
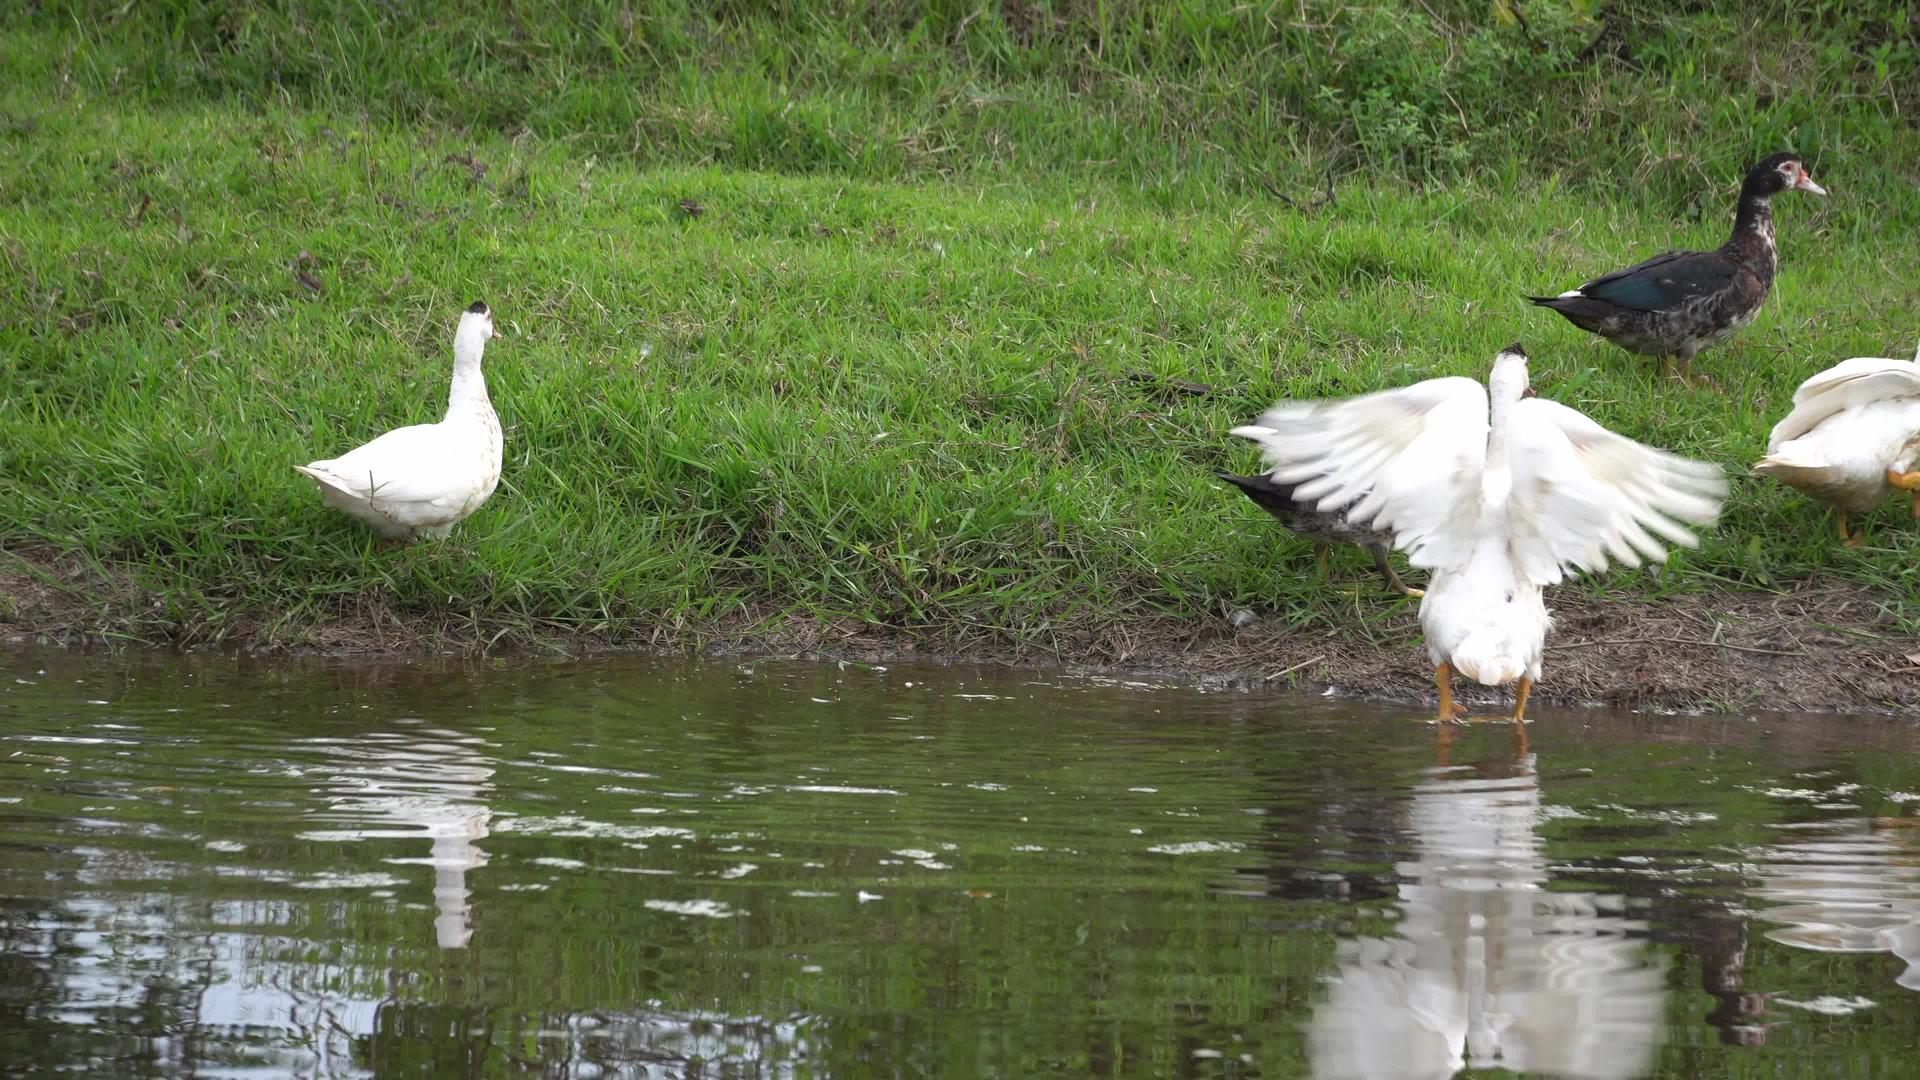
(1794, 175)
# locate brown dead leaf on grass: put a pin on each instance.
(476, 169)
(1167, 386)
(302, 274)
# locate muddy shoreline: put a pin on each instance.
(1821, 646)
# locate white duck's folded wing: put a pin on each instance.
(1584, 496)
(1409, 460)
(417, 464)
(1862, 380)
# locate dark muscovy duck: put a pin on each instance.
(1323, 527)
(1676, 304)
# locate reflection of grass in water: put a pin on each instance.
(957, 406)
(1108, 950)
(1002, 936)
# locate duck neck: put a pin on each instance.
(468, 397)
(1498, 452)
(1752, 238)
(1496, 474)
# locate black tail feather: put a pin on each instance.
(1266, 492)
(1581, 311)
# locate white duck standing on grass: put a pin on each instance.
(417, 482)
(1497, 493)
(1853, 435)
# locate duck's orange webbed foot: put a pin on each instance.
(1908, 482)
(1848, 539)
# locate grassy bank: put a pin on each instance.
(1191, 102)
(972, 403)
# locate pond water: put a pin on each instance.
(215, 867)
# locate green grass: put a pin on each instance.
(859, 386)
(1188, 101)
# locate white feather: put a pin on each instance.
(1585, 497)
(1409, 459)
(1498, 496)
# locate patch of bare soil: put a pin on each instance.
(1823, 646)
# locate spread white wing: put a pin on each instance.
(1862, 380)
(1583, 496)
(1409, 459)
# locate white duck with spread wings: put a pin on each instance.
(417, 482)
(1498, 494)
(1853, 435)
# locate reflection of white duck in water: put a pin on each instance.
(433, 785)
(1844, 887)
(1488, 969)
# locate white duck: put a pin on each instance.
(416, 482)
(1494, 491)
(1853, 435)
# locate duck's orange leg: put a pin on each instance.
(1449, 711)
(1847, 539)
(1684, 369)
(1520, 700)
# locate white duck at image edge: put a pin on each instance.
(417, 482)
(1494, 491)
(1852, 436)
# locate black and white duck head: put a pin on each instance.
(1784, 171)
(1778, 173)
